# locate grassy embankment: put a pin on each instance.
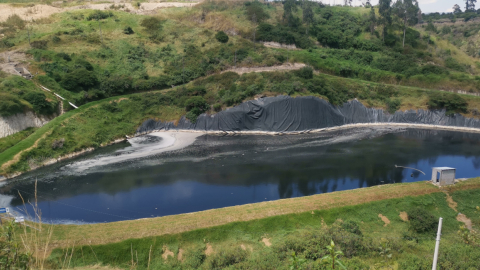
(233, 237)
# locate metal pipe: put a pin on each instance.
(409, 168)
(437, 245)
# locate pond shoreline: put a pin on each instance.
(272, 133)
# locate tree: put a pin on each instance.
(308, 16)
(470, 5)
(348, 2)
(385, 11)
(407, 11)
(289, 7)
(368, 4)
(456, 9)
(373, 20)
(256, 8)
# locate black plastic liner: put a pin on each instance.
(287, 114)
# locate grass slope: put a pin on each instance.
(304, 225)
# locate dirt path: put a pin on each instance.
(460, 217)
(284, 67)
(34, 12)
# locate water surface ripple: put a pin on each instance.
(218, 171)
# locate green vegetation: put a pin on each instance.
(300, 240)
(13, 139)
(18, 95)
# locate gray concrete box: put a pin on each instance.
(443, 176)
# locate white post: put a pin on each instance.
(437, 245)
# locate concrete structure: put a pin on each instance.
(443, 176)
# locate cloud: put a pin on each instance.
(427, 2)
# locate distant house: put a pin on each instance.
(443, 176)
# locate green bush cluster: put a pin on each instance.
(453, 103)
(19, 95)
(421, 220)
(99, 15)
(221, 37)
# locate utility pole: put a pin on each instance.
(437, 245)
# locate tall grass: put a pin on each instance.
(26, 246)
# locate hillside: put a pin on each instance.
(180, 55)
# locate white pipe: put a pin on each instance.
(71, 104)
(437, 245)
(58, 96)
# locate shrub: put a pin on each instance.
(217, 107)
(227, 257)
(351, 227)
(195, 106)
(393, 105)
(14, 21)
(64, 56)
(454, 64)
(446, 30)
(430, 27)
(82, 63)
(305, 72)
(39, 102)
(451, 102)
(79, 79)
(421, 221)
(152, 24)
(221, 37)
(128, 30)
(9, 105)
(39, 44)
(99, 15)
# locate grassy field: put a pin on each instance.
(234, 237)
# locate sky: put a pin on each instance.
(427, 6)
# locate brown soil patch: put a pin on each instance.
(451, 203)
(404, 216)
(284, 67)
(45, 11)
(180, 255)
(464, 219)
(242, 246)
(209, 250)
(266, 241)
(167, 253)
(384, 219)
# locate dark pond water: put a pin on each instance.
(225, 171)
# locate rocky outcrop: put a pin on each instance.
(12, 124)
(287, 114)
